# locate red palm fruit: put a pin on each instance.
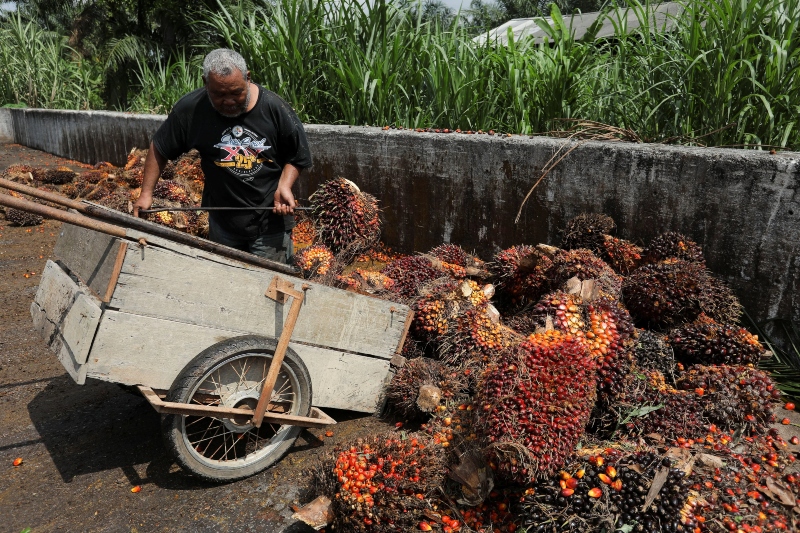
(595, 492)
(536, 399)
(623, 256)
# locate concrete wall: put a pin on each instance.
(6, 126)
(742, 206)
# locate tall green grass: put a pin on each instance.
(727, 73)
(40, 70)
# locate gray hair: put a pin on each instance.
(223, 62)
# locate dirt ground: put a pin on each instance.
(84, 447)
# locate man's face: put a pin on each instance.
(230, 95)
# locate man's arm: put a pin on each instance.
(284, 198)
(153, 166)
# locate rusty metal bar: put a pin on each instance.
(63, 216)
(42, 195)
(317, 418)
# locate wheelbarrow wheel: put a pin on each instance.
(231, 374)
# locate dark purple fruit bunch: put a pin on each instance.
(588, 231)
(521, 274)
(652, 351)
(57, 176)
(707, 342)
(584, 265)
(733, 396)
(346, 218)
(409, 274)
(451, 253)
(169, 190)
(675, 291)
(675, 245)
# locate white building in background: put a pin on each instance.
(662, 18)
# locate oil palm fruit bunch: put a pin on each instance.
(584, 265)
(534, 402)
(409, 274)
(169, 190)
(93, 176)
(451, 253)
(521, 274)
(345, 216)
(314, 260)
(17, 217)
(56, 176)
(588, 231)
(478, 334)
(673, 244)
(621, 255)
(646, 403)
(381, 486)
(675, 291)
(20, 173)
(367, 281)
(733, 396)
(610, 339)
(558, 310)
(652, 351)
(421, 385)
(707, 342)
(304, 232)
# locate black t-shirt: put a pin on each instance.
(242, 157)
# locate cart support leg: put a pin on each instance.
(279, 290)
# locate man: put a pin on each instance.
(252, 147)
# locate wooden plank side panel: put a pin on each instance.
(140, 350)
(90, 255)
(79, 327)
(160, 283)
(54, 298)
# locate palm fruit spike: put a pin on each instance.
(733, 396)
(418, 388)
(587, 230)
(381, 485)
(653, 352)
(304, 232)
(314, 260)
(169, 190)
(706, 342)
(583, 264)
(345, 216)
(535, 401)
(58, 176)
(673, 244)
(409, 274)
(623, 256)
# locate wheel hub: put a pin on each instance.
(247, 399)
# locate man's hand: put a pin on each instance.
(153, 166)
(284, 198)
(284, 201)
(143, 202)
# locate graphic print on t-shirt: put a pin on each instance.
(241, 152)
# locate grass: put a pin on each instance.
(727, 75)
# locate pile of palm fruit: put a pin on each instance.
(598, 386)
(180, 185)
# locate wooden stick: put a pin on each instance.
(280, 351)
(63, 216)
(42, 195)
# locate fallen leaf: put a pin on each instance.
(658, 481)
(783, 494)
(711, 461)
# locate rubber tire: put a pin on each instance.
(186, 381)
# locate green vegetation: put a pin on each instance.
(728, 72)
